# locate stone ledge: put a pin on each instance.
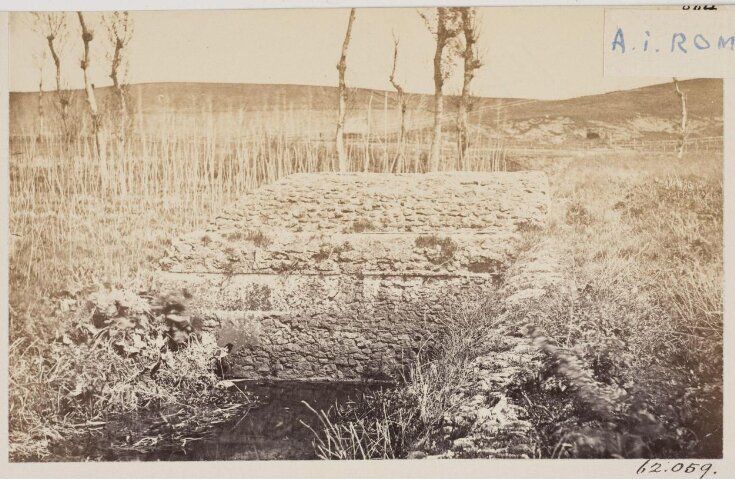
(283, 252)
(345, 276)
(411, 202)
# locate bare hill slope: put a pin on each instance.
(619, 112)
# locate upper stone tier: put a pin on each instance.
(369, 223)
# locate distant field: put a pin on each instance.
(233, 110)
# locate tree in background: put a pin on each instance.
(445, 26)
(40, 62)
(402, 102)
(54, 28)
(471, 64)
(342, 68)
(87, 37)
(683, 125)
(119, 28)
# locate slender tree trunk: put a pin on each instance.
(116, 61)
(683, 125)
(443, 35)
(385, 162)
(366, 143)
(40, 109)
(471, 64)
(436, 140)
(61, 95)
(341, 68)
(402, 107)
(87, 37)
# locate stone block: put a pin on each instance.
(343, 276)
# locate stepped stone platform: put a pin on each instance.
(345, 276)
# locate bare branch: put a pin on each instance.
(342, 68)
(448, 26)
(472, 63)
(87, 37)
(683, 125)
(429, 18)
(119, 32)
(402, 104)
(53, 27)
(392, 77)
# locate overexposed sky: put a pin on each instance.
(530, 52)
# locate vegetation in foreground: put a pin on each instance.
(120, 352)
(630, 344)
(83, 226)
(84, 343)
(640, 311)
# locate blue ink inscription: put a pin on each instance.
(682, 39)
(700, 42)
(619, 40)
(722, 43)
(681, 42)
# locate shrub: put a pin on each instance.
(117, 352)
(439, 250)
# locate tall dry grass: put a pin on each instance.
(82, 223)
(629, 343)
(409, 420)
(632, 340)
(78, 220)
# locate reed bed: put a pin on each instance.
(78, 218)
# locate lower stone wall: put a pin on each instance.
(486, 423)
(326, 326)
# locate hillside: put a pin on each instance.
(649, 111)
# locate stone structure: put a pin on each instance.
(346, 276)
(485, 422)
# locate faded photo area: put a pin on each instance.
(358, 234)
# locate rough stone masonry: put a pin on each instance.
(347, 275)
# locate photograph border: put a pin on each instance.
(400, 468)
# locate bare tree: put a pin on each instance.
(53, 27)
(366, 134)
(119, 32)
(402, 102)
(40, 61)
(87, 37)
(683, 125)
(472, 63)
(341, 68)
(445, 29)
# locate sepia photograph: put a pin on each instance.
(444, 232)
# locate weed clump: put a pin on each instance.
(117, 352)
(360, 226)
(327, 251)
(578, 214)
(439, 250)
(380, 425)
(258, 238)
(255, 236)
